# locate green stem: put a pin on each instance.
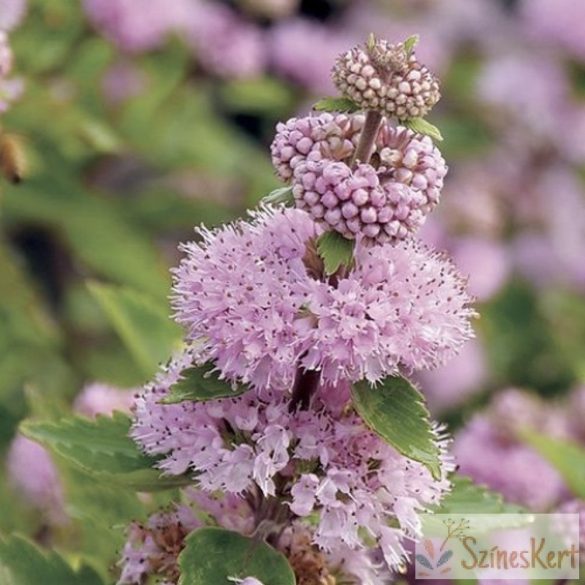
(365, 146)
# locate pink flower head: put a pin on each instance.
(382, 203)
(246, 295)
(326, 459)
(153, 548)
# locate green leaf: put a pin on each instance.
(259, 95)
(410, 43)
(25, 564)
(567, 457)
(421, 126)
(395, 410)
(335, 251)
(103, 449)
(213, 555)
(486, 509)
(335, 104)
(467, 497)
(143, 325)
(282, 195)
(200, 383)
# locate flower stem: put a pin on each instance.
(305, 385)
(364, 149)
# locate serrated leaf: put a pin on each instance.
(25, 564)
(421, 126)
(213, 556)
(142, 324)
(336, 104)
(282, 195)
(467, 497)
(488, 508)
(396, 410)
(335, 251)
(410, 43)
(200, 383)
(103, 449)
(567, 457)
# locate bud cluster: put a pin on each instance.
(385, 200)
(388, 78)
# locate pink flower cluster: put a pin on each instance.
(247, 295)
(509, 465)
(320, 460)
(152, 548)
(385, 200)
(258, 304)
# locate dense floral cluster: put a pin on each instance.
(386, 77)
(320, 460)
(260, 307)
(385, 200)
(152, 547)
(248, 294)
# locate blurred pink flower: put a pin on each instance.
(99, 398)
(12, 13)
(461, 377)
(223, 42)
(5, 55)
(123, 80)
(559, 22)
(30, 466)
(304, 51)
(32, 472)
(504, 465)
(532, 89)
(134, 25)
(488, 450)
(485, 261)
